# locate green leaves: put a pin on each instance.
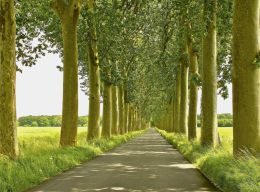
(196, 79)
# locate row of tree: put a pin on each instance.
(145, 59)
(70, 28)
(226, 41)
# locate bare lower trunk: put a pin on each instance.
(8, 133)
(130, 128)
(246, 77)
(173, 117)
(126, 117)
(192, 124)
(184, 98)
(70, 83)
(209, 77)
(107, 111)
(94, 77)
(114, 128)
(177, 103)
(121, 109)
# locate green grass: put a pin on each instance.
(41, 157)
(218, 164)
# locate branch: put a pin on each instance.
(58, 6)
(75, 6)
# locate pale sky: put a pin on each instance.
(39, 90)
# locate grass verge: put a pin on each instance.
(41, 158)
(218, 164)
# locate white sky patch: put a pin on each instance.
(39, 90)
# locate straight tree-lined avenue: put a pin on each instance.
(146, 163)
(144, 62)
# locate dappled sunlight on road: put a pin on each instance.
(147, 163)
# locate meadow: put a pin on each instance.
(218, 164)
(41, 157)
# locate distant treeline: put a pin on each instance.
(47, 121)
(224, 120)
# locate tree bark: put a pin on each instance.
(134, 119)
(121, 109)
(126, 111)
(246, 77)
(130, 126)
(177, 102)
(8, 130)
(114, 128)
(126, 117)
(184, 94)
(94, 77)
(69, 14)
(209, 76)
(107, 111)
(173, 116)
(192, 122)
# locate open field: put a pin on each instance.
(224, 132)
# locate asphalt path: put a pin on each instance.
(146, 163)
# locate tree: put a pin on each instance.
(94, 75)
(107, 110)
(246, 76)
(183, 127)
(193, 97)
(114, 124)
(8, 133)
(68, 13)
(209, 75)
(121, 109)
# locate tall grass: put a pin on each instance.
(41, 157)
(218, 164)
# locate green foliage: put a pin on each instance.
(196, 79)
(41, 157)
(219, 165)
(224, 120)
(47, 121)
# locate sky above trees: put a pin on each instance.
(39, 90)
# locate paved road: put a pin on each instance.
(146, 163)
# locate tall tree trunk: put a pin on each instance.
(246, 77)
(134, 124)
(133, 119)
(126, 117)
(209, 76)
(114, 128)
(192, 124)
(107, 111)
(177, 102)
(130, 126)
(69, 14)
(184, 93)
(126, 111)
(173, 116)
(121, 109)
(8, 132)
(94, 77)
(169, 117)
(139, 121)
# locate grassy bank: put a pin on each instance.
(218, 164)
(41, 157)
